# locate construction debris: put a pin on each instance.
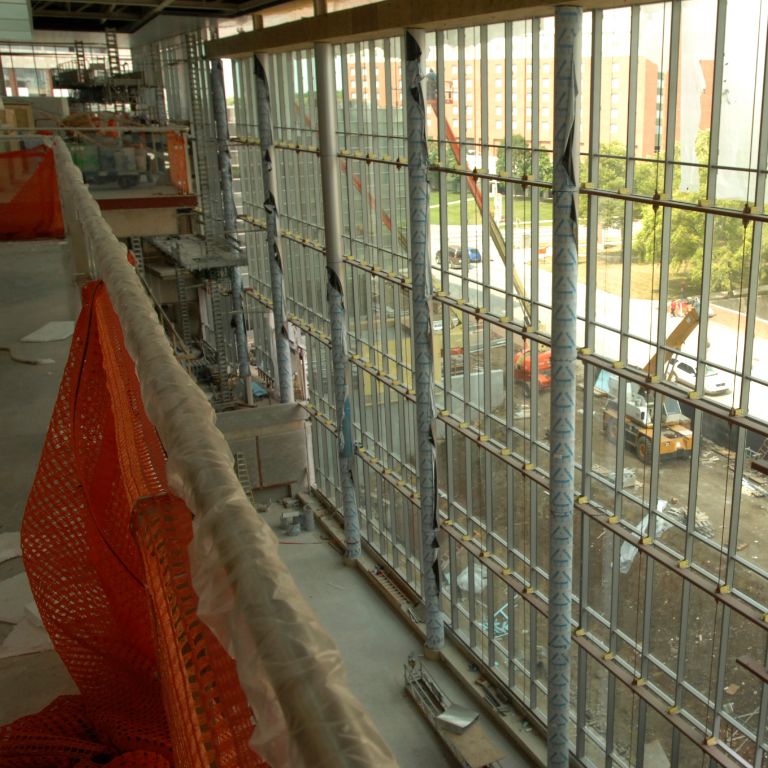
(56, 330)
(10, 546)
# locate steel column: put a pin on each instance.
(563, 401)
(329, 170)
(418, 197)
(219, 99)
(264, 110)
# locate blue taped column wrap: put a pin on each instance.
(284, 366)
(329, 170)
(423, 355)
(563, 396)
(230, 215)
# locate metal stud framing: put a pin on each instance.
(648, 568)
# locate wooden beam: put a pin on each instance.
(189, 5)
(79, 15)
(384, 19)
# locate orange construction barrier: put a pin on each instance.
(105, 548)
(177, 161)
(29, 195)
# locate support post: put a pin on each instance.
(230, 220)
(563, 398)
(282, 341)
(329, 173)
(423, 354)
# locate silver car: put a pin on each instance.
(684, 372)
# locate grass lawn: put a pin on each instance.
(521, 208)
(642, 278)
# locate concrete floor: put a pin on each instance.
(35, 288)
(375, 644)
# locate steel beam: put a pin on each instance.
(418, 200)
(562, 428)
(284, 372)
(329, 169)
(218, 96)
(386, 19)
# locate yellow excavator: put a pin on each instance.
(676, 437)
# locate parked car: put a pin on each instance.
(684, 372)
(454, 256)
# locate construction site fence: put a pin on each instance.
(29, 199)
(191, 549)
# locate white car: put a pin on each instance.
(684, 372)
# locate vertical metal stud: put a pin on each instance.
(329, 167)
(418, 191)
(219, 100)
(284, 372)
(563, 401)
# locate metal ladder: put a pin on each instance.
(82, 69)
(182, 315)
(113, 54)
(138, 253)
(241, 470)
(220, 339)
(157, 74)
(197, 89)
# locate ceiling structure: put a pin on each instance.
(131, 15)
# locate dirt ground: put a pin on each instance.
(676, 646)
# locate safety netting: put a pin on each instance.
(105, 546)
(29, 195)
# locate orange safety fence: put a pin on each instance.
(105, 548)
(177, 161)
(29, 196)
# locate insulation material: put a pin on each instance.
(288, 666)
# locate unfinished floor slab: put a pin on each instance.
(375, 645)
(36, 287)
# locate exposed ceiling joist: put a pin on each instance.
(191, 5)
(94, 15)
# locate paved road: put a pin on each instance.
(725, 332)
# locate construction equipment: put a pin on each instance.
(675, 339)
(676, 437)
(457, 727)
(522, 360)
(495, 232)
(522, 368)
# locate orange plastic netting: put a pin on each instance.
(105, 548)
(29, 195)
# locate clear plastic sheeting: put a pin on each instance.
(287, 664)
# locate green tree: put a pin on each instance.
(612, 175)
(521, 160)
(731, 241)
